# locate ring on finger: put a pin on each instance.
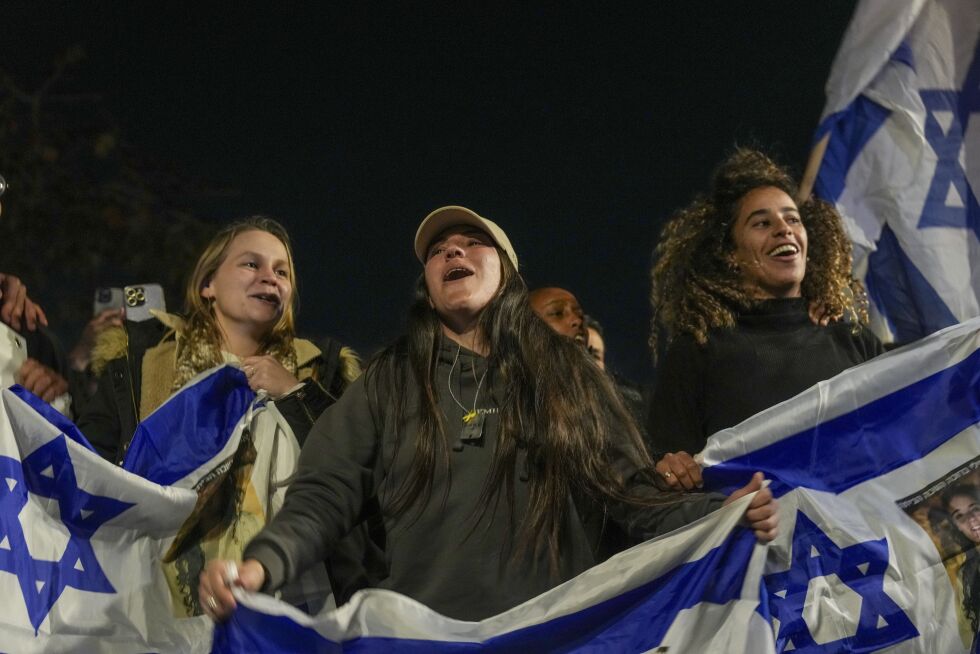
(668, 474)
(212, 603)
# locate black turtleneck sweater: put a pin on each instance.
(773, 353)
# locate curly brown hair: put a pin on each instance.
(694, 286)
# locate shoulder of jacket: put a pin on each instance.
(114, 342)
(170, 320)
(349, 364)
(305, 351)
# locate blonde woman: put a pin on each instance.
(238, 309)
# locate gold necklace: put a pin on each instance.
(468, 416)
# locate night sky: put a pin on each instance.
(577, 127)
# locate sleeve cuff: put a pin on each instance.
(290, 391)
(271, 560)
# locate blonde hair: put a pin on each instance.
(199, 341)
(694, 286)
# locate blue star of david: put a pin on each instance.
(948, 143)
(48, 473)
(882, 623)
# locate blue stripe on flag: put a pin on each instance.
(850, 130)
(634, 621)
(867, 442)
(46, 411)
(189, 428)
(902, 294)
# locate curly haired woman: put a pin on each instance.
(738, 274)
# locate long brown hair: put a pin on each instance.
(694, 287)
(199, 345)
(555, 402)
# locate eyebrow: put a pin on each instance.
(250, 253)
(765, 211)
(442, 238)
(563, 301)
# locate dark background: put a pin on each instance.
(577, 127)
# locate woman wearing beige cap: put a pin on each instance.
(493, 449)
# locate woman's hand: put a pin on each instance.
(81, 355)
(265, 373)
(214, 588)
(763, 513)
(41, 380)
(15, 305)
(680, 471)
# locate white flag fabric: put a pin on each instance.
(13, 353)
(873, 554)
(696, 590)
(98, 558)
(877, 471)
(902, 162)
(80, 543)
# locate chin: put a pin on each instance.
(267, 323)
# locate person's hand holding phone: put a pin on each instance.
(81, 355)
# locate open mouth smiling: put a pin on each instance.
(456, 273)
(268, 298)
(784, 251)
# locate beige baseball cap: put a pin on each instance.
(445, 217)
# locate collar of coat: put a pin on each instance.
(160, 361)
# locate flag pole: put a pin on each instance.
(812, 168)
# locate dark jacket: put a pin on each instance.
(454, 553)
(135, 371)
(773, 353)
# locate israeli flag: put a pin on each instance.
(902, 162)
(877, 476)
(692, 591)
(85, 545)
(80, 543)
